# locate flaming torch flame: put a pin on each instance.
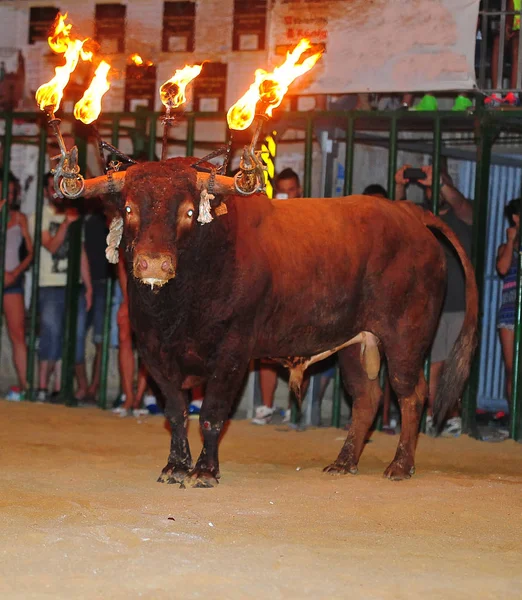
(88, 108)
(138, 61)
(270, 88)
(50, 94)
(172, 92)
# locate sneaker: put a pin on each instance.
(120, 411)
(41, 395)
(263, 415)
(139, 412)
(452, 427)
(287, 416)
(14, 394)
(151, 405)
(195, 408)
(430, 427)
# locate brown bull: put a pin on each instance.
(293, 280)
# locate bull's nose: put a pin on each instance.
(154, 269)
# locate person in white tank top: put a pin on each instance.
(14, 309)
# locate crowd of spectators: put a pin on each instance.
(63, 222)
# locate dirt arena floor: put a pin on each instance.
(83, 517)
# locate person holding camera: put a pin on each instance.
(17, 239)
(457, 212)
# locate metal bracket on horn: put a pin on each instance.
(67, 178)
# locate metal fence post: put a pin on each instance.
(347, 190)
(478, 257)
(37, 243)
(104, 367)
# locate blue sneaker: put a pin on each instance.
(195, 409)
(151, 405)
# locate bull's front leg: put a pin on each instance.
(221, 391)
(179, 463)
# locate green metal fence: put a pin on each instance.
(140, 129)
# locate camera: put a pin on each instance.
(414, 174)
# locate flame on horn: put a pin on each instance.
(88, 108)
(172, 92)
(270, 88)
(61, 42)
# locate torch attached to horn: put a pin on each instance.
(265, 94)
(172, 94)
(67, 177)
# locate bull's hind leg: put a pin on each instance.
(411, 399)
(366, 394)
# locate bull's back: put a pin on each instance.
(336, 266)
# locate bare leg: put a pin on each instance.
(81, 377)
(96, 370)
(14, 315)
(126, 356)
(268, 384)
(141, 386)
(44, 370)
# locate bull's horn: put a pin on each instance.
(222, 184)
(96, 186)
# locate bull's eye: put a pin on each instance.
(128, 210)
(190, 212)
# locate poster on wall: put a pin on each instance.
(380, 46)
(249, 31)
(110, 28)
(210, 88)
(41, 19)
(179, 24)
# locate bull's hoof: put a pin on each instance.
(340, 469)
(173, 474)
(200, 478)
(398, 471)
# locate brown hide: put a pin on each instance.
(292, 280)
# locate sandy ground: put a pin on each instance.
(83, 517)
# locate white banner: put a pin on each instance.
(380, 45)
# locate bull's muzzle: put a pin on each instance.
(154, 269)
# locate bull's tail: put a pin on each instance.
(457, 366)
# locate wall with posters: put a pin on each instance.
(383, 45)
